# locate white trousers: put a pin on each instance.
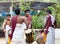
(51, 36)
(6, 36)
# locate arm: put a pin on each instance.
(4, 24)
(48, 23)
(26, 22)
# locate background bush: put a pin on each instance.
(1, 20)
(37, 22)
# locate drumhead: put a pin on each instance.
(28, 31)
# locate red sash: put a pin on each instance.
(13, 25)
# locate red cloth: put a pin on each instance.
(29, 19)
(48, 22)
(13, 24)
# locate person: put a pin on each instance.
(18, 28)
(49, 28)
(29, 17)
(6, 26)
(29, 35)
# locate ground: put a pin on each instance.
(2, 41)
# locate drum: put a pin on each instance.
(29, 36)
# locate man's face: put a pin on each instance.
(8, 17)
(27, 13)
(47, 13)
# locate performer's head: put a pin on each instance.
(27, 12)
(17, 11)
(8, 16)
(48, 12)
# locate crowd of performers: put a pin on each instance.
(18, 29)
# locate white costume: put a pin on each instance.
(51, 34)
(8, 31)
(18, 35)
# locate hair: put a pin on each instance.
(49, 11)
(8, 15)
(27, 10)
(17, 11)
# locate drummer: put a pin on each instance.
(29, 17)
(29, 33)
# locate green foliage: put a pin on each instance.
(1, 20)
(42, 12)
(52, 9)
(53, 0)
(57, 8)
(25, 5)
(58, 21)
(22, 0)
(37, 22)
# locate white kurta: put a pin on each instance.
(50, 36)
(18, 35)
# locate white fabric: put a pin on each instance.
(7, 32)
(6, 36)
(52, 19)
(50, 36)
(18, 42)
(24, 25)
(8, 27)
(34, 42)
(18, 34)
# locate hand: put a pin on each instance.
(46, 32)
